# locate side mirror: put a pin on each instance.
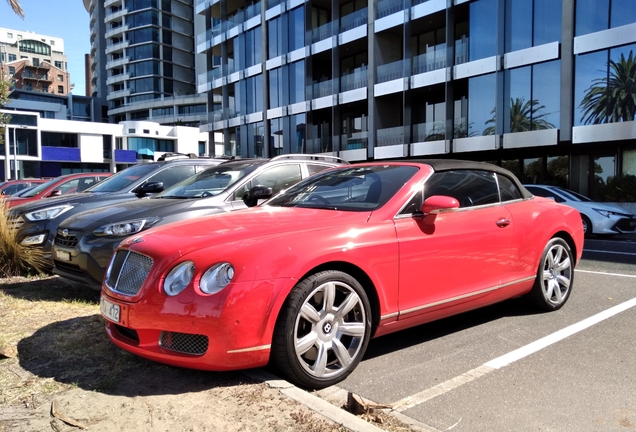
(438, 204)
(147, 188)
(55, 193)
(255, 193)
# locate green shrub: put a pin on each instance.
(17, 259)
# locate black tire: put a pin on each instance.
(587, 226)
(555, 276)
(310, 324)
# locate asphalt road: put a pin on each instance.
(510, 368)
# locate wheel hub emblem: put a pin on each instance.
(327, 328)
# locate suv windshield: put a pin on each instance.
(39, 188)
(349, 189)
(122, 179)
(212, 181)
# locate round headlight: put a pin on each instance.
(178, 278)
(216, 278)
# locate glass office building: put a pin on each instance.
(143, 60)
(543, 87)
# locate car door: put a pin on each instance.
(453, 256)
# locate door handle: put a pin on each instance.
(502, 223)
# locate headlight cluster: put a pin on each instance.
(608, 213)
(47, 213)
(125, 228)
(212, 281)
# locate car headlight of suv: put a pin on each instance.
(125, 228)
(47, 213)
(608, 213)
(216, 278)
(178, 278)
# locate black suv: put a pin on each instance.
(86, 241)
(36, 222)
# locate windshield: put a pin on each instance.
(573, 196)
(39, 188)
(212, 181)
(122, 179)
(361, 188)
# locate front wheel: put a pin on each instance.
(554, 277)
(323, 330)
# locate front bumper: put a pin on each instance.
(614, 225)
(226, 331)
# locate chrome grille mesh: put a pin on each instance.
(128, 271)
(184, 342)
(70, 240)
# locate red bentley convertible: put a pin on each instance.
(307, 278)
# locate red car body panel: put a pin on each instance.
(403, 262)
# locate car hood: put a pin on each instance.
(129, 210)
(72, 199)
(181, 238)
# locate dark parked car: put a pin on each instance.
(62, 185)
(11, 187)
(36, 222)
(86, 241)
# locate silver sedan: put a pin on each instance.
(598, 217)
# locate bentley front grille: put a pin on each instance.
(186, 343)
(128, 271)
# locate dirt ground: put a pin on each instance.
(59, 372)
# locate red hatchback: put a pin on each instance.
(11, 187)
(58, 186)
(307, 278)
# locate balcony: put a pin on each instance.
(116, 63)
(36, 77)
(429, 131)
(117, 78)
(353, 20)
(430, 61)
(116, 47)
(357, 79)
(390, 72)
(391, 136)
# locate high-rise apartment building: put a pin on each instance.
(539, 86)
(143, 61)
(34, 62)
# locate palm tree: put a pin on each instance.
(613, 98)
(524, 116)
(15, 5)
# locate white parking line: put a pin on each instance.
(515, 355)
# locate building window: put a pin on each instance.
(58, 64)
(60, 89)
(55, 139)
(533, 99)
(45, 88)
(598, 77)
(474, 35)
(474, 106)
(28, 86)
(12, 57)
(60, 78)
(10, 35)
(36, 61)
(52, 42)
(11, 70)
(597, 15)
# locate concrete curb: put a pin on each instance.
(327, 409)
(322, 407)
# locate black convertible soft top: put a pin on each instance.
(457, 164)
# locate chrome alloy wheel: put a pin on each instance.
(330, 329)
(557, 274)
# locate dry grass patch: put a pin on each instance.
(15, 258)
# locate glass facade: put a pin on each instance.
(511, 81)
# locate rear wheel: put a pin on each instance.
(323, 330)
(555, 276)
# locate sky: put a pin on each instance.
(66, 19)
